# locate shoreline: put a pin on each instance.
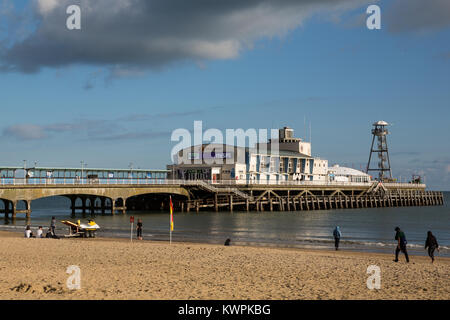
(418, 251)
(118, 269)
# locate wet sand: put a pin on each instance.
(118, 269)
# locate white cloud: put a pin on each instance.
(46, 6)
(25, 132)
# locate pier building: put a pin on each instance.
(287, 159)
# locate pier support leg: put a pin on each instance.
(28, 212)
(14, 209)
(231, 203)
(124, 206)
(288, 201)
(113, 206)
(247, 205)
(216, 205)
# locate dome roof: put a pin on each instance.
(381, 123)
(344, 171)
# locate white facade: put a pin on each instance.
(217, 162)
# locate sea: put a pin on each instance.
(368, 229)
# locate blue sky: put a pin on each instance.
(328, 68)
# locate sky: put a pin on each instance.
(113, 92)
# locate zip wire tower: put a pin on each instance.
(379, 133)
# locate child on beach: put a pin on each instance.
(431, 244)
(39, 233)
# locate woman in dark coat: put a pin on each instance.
(432, 245)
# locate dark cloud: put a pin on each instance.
(129, 35)
(417, 15)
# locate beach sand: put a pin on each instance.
(118, 269)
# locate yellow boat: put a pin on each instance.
(85, 230)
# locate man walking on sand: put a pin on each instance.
(337, 237)
(432, 245)
(401, 244)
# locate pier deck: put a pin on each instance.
(196, 195)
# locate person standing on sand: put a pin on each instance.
(432, 244)
(337, 237)
(53, 225)
(139, 229)
(401, 244)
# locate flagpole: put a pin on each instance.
(170, 217)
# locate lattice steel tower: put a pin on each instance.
(384, 165)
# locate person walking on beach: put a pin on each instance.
(432, 244)
(53, 225)
(139, 229)
(401, 244)
(337, 237)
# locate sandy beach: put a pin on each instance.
(118, 269)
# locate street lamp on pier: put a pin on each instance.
(82, 162)
(131, 171)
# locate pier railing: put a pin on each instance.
(207, 184)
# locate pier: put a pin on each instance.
(110, 195)
(311, 196)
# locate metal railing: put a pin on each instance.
(213, 186)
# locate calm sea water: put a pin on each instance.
(362, 229)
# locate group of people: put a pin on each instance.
(40, 232)
(431, 243)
